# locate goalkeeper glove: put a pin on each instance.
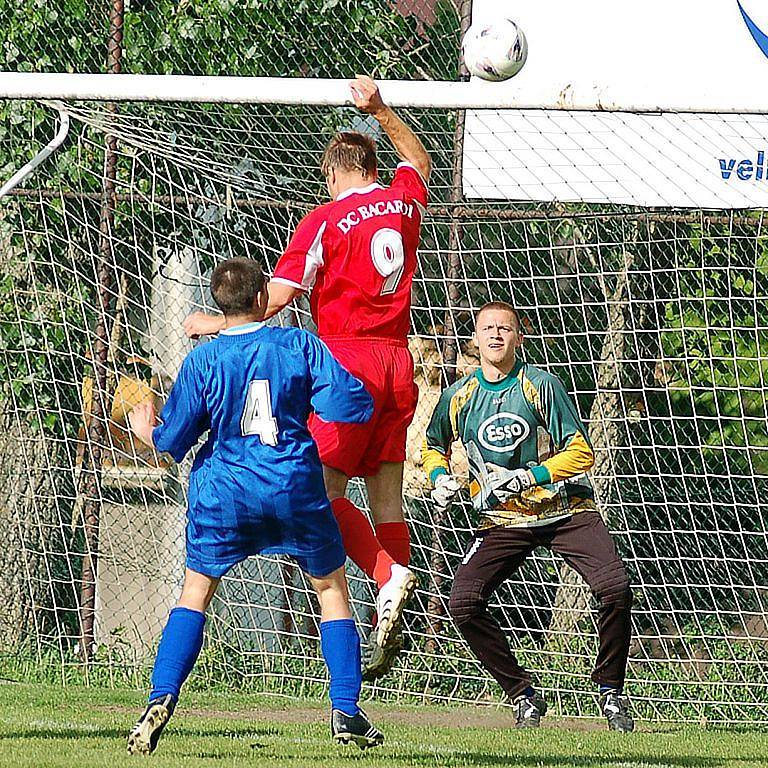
(446, 488)
(517, 481)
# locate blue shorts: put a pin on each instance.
(317, 563)
(226, 527)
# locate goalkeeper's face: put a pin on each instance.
(498, 337)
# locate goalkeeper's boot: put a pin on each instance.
(616, 709)
(393, 597)
(142, 740)
(529, 710)
(377, 662)
(357, 729)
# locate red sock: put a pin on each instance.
(396, 539)
(360, 542)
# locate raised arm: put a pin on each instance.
(407, 144)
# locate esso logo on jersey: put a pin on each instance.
(503, 432)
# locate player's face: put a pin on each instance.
(498, 337)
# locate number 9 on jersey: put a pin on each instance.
(388, 257)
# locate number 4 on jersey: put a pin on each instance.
(257, 416)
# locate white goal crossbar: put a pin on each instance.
(514, 94)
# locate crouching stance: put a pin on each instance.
(528, 452)
(256, 486)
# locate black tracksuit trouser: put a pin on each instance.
(496, 553)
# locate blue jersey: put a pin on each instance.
(256, 484)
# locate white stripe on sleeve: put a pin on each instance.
(314, 259)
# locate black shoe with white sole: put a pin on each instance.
(529, 710)
(357, 729)
(616, 710)
(142, 740)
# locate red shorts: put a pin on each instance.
(386, 369)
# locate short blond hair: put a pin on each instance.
(502, 306)
(350, 151)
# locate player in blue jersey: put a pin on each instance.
(256, 486)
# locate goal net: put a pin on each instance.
(655, 319)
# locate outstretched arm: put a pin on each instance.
(367, 98)
(280, 296)
(202, 324)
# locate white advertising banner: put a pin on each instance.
(683, 54)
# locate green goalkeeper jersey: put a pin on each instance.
(525, 420)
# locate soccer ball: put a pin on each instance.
(495, 51)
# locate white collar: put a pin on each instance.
(239, 330)
(358, 191)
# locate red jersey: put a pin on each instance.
(357, 254)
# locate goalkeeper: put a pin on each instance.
(256, 486)
(528, 453)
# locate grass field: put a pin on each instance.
(83, 728)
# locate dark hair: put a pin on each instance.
(235, 284)
(502, 305)
(350, 151)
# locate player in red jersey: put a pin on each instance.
(357, 256)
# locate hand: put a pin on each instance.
(199, 324)
(142, 420)
(445, 490)
(517, 481)
(365, 94)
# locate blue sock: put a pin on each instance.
(607, 688)
(178, 651)
(340, 644)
